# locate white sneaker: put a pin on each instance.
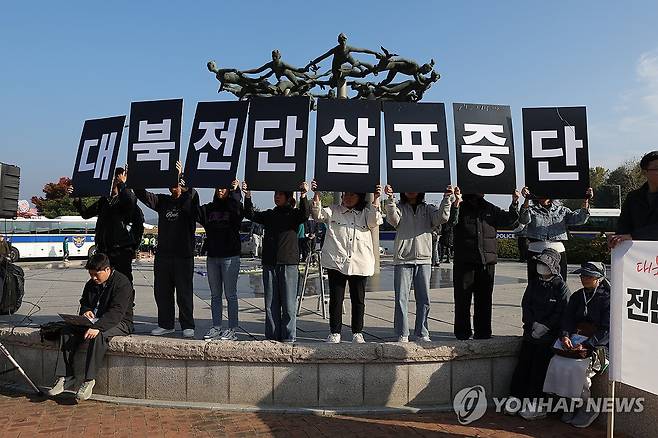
(334, 338)
(61, 385)
(228, 335)
(403, 339)
(188, 333)
(533, 413)
(424, 339)
(213, 333)
(85, 390)
(357, 338)
(161, 331)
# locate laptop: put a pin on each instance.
(78, 320)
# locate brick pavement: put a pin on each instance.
(22, 416)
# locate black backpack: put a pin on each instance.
(12, 287)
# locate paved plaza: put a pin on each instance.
(56, 289)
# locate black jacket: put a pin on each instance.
(638, 218)
(222, 219)
(544, 302)
(114, 300)
(176, 221)
(598, 313)
(114, 216)
(280, 224)
(475, 225)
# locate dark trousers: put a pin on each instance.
(473, 281)
(122, 261)
(357, 284)
(530, 373)
(532, 266)
(174, 274)
(73, 337)
(522, 243)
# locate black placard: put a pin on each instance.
(556, 152)
(347, 145)
(417, 157)
(485, 148)
(154, 143)
(277, 142)
(97, 156)
(215, 142)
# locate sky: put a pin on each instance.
(65, 62)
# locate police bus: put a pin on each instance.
(43, 238)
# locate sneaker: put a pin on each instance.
(568, 417)
(61, 385)
(161, 331)
(334, 338)
(403, 339)
(188, 333)
(584, 419)
(423, 339)
(533, 413)
(228, 335)
(213, 333)
(357, 338)
(85, 390)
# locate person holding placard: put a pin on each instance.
(639, 213)
(118, 227)
(221, 219)
(476, 253)
(347, 254)
(582, 348)
(280, 259)
(174, 257)
(547, 227)
(414, 220)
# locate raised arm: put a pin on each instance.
(321, 57)
(259, 69)
(441, 215)
(86, 212)
(393, 213)
(149, 199)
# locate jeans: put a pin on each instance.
(403, 277)
(280, 287)
(223, 279)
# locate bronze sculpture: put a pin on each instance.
(298, 81)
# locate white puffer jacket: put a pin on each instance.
(348, 242)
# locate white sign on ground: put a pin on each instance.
(634, 315)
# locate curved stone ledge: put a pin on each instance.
(271, 374)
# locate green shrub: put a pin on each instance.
(578, 249)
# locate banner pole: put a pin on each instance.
(611, 414)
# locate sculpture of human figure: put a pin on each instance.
(401, 65)
(411, 90)
(342, 54)
(280, 69)
(232, 81)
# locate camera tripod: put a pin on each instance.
(17, 367)
(313, 256)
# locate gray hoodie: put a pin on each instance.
(413, 240)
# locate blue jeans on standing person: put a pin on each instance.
(403, 277)
(280, 287)
(223, 279)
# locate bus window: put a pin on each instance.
(55, 228)
(73, 227)
(22, 227)
(40, 227)
(7, 227)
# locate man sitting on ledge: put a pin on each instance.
(107, 301)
